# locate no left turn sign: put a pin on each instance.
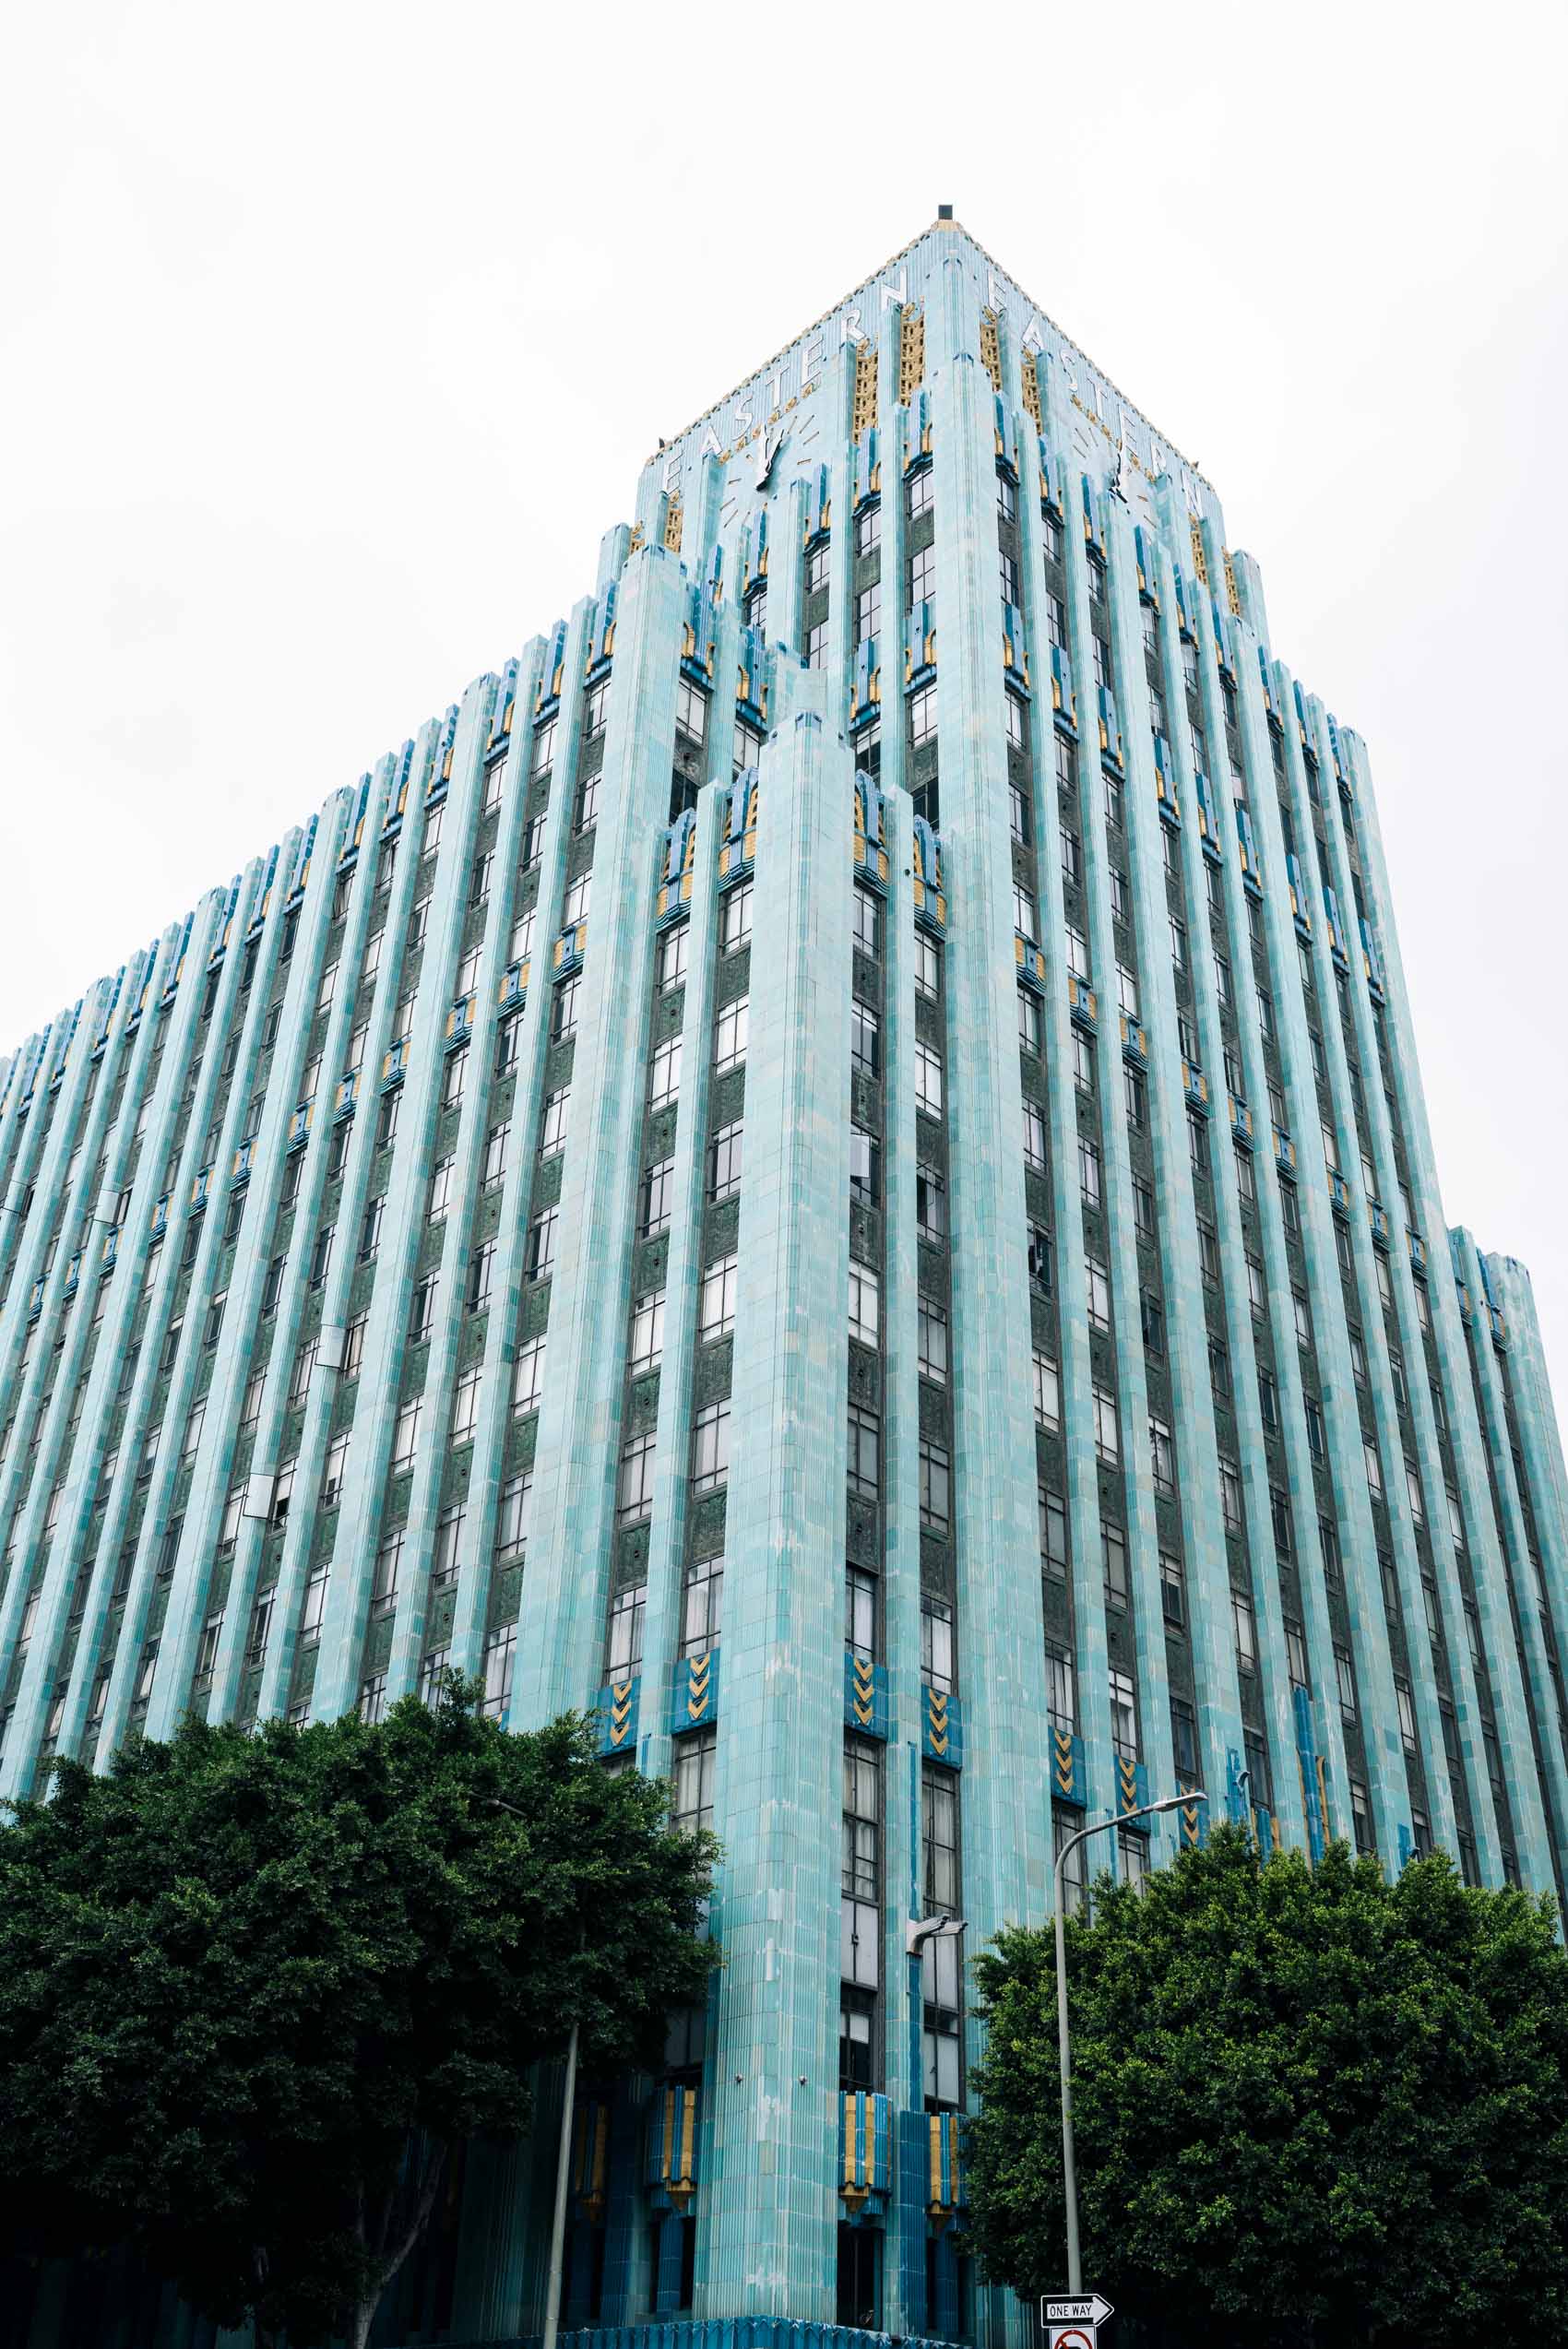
(1071, 2336)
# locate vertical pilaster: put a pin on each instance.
(1470, 1433)
(682, 1284)
(1538, 1420)
(406, 1212)
(63, 1465)
(575, 1464)
(1005, 1818)
(1090, 1628)
(1213, 1635)
(1389, 1789)
(189, 1598)
(903, 2275)
(767, 2240)
(1532, 1754)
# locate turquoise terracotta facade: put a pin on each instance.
(829, 1165)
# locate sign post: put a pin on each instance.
(1073, 2324)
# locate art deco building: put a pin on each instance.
(830, 1164)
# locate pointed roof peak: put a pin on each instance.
(792, 374)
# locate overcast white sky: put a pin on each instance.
(333, 337)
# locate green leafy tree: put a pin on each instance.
(254, 1988)
(1307, 2106)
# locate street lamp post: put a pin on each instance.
(563, 2175)
(1069, 2171)
(563, 2161)
(920, 1934)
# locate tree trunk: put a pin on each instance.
(401, 2219)
(263, 2335)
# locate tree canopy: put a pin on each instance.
(254, 1987)
(1307, 2105)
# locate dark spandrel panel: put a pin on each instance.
(506, 1596)
(629, 1565)
(720, 1230)
(934, 1415)
(865, 1377)
(710, 1383)
(642, 1409)
(304, 1674)
(547, 1182)
(650, 1263)
(727, 1098)
(733, 977)
(706, 1531)
(865, 1234)
(864, 1532)
(938, 1579)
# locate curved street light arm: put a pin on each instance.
(1063, 2045)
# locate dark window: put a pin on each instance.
(860, 2277)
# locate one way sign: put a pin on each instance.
(1071, 2324)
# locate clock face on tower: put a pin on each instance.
(788, 446)
(768, 456)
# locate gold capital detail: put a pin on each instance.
(1030, 374)
(864, 412)
(990, 349)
